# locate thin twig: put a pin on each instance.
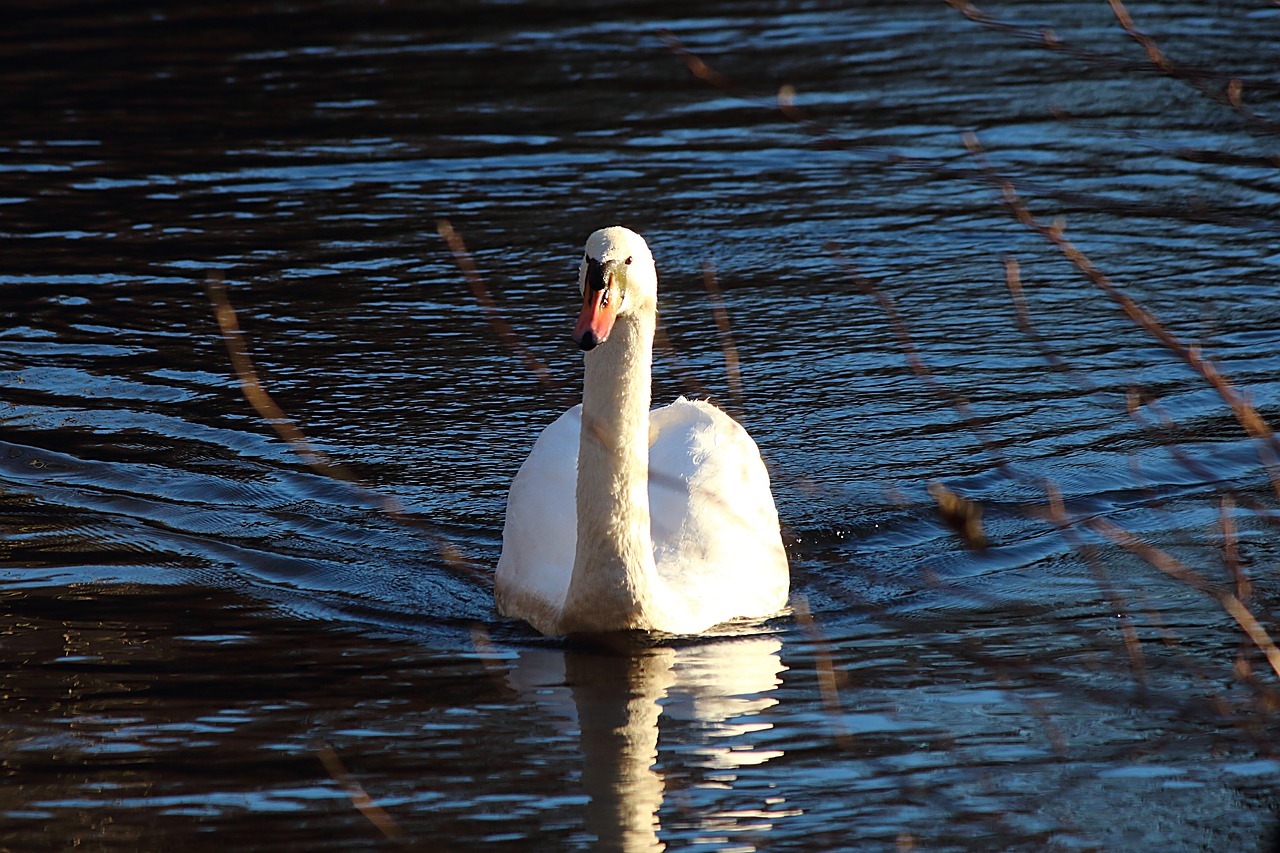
(1231, 96)
(501, 327)
(1174, 568)
(732, 367)
(830, 680)
(1245, 413)
(358, 796)
(255, 393)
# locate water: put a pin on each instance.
(209, 645)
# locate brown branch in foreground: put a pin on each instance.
(1231, 96)
(358, 796)
(1174, 568)
(1204, 80)
(1132, 407)
(1246, 415)
(830, 679)
(732, 367)
(912, 353)
(499, 323)
(256, 394)
(1231, 549)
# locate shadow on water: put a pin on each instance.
(209, 646)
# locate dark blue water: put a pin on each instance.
(209, 644)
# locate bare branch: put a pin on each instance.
(1246, 415)
(732, 368)
(499, 323)
(358, 796)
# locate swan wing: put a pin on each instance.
(715, 527)
(541, 530)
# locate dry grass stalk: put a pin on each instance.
(255, 393)
(1245, 413)
(358, 796)
(732, 366)
(830, 679)
(1174, 568)
(501, 327)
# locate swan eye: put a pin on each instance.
(628, 261)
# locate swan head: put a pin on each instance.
(617, 277)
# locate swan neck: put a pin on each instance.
(612, 585)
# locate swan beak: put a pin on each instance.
(599, 310)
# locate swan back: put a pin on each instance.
(716, 543)
(716, 540)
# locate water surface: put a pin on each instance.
(210, 645)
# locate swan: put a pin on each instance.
(623, 518)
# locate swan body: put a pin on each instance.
(623, 518)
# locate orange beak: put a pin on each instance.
(599, 310)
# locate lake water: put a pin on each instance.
(210, 645)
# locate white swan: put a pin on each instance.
(626, 519)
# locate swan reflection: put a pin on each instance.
(715, 692)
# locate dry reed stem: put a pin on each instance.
(1246, 415)
(1231, 549)
(732, 366)
(830, 680)
(1231, 96)
(1174, 568)
(501, 327)
(358, 796)
(1203, 80)
(256, 394)
(1056, 512)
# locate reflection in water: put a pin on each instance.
(616, 699)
